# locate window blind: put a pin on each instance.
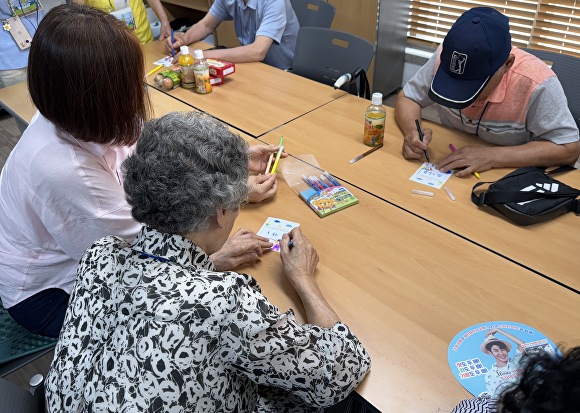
(544, 24)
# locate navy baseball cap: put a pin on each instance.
(475, 47)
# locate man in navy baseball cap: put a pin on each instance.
(480, 84)
(475, 47)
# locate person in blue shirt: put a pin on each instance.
(266, 29)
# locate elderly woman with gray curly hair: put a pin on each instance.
(153, 326)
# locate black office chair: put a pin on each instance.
(15, 399)
(567, 68)
(313, 13)
(324, 55)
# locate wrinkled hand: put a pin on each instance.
(165, 32)
(413, 148)
(300, 262)
(259, 155)
(261, 187)
(241, 247)
(471, 158)
(179, 41)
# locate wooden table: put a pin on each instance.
(16, 100)
(407, 287)
(333, 133)
(256, 98)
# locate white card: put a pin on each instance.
(428, 175)
(166, 61)
(274, 229)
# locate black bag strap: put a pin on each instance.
(488, 198)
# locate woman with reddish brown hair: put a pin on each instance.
(61, 187)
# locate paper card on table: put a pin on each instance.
(274, 228)
(166, 61)
(428, 175)
(481, 372)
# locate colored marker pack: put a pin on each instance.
(328, 200)
(319, 189)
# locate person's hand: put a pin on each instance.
(241, 247)
(180, 40)
(261, 187)
(259, 155)
(470, 158)
(165, 31)
(299, 262)
(413, 148)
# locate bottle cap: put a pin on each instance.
(377, 98)
(184, 50)
(198, 54)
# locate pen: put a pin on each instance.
(153, 71)
(269, 163)
(449, 193)
(453, 149)
(272, 157)
(425, 193)
(172, 41)
(358, 158)
(291, 244)
(421, 138)
(331, 178)
(277, 160)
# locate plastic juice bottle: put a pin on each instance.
(201, 70)
(375, 121)
(186, 63)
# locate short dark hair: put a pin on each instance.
(497, 343)
(550, 384)
(85, 75)
(186, 166)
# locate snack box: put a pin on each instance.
(220, 68)
(216, 80)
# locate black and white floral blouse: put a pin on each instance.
(153, 327)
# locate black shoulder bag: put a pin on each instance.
(529, 195)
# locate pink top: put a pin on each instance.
(57, 196)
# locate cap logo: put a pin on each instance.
(457, 64)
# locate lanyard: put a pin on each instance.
(155, 257)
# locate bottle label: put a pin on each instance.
(374, 129)
(202, 82)
(187, 77)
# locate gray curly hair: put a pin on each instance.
(185, 168)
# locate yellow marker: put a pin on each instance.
(154, 70)
(277, 160)
(476, 174)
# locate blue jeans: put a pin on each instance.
(43, 313)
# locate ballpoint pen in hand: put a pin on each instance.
(421, 138)
(172, 41)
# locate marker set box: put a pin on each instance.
(320, 190)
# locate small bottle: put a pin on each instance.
(201, 70)
(186, 64)
(375, 121)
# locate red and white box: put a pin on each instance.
(216, 80)
(218, 68)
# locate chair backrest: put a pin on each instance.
(324, 54)
(15, 399)
(313, 13)
(567, 68)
